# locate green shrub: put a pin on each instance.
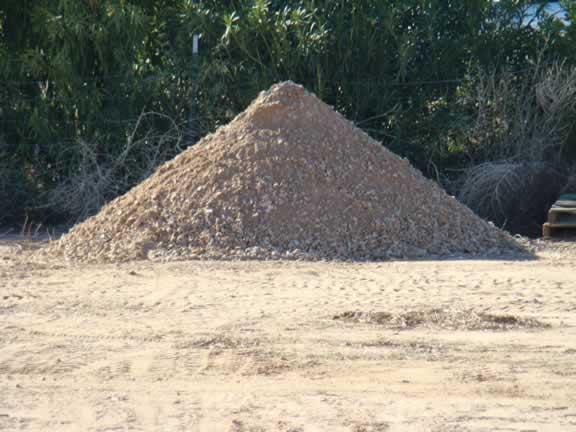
(78, 72)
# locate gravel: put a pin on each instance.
(289, 178)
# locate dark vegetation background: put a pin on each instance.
(94, 94)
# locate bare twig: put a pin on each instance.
(523, 119)
(102, 177)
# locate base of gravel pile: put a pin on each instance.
(452, 319)
(289, 178)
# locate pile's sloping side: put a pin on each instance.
(289, 177)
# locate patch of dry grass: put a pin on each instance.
(453, 319)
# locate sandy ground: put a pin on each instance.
(253, 347)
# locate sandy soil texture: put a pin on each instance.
(254, 346)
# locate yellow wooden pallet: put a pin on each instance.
(561, 216)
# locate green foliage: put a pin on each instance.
(83, 71)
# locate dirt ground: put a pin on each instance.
(254, 346)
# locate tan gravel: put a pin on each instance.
(287, 178)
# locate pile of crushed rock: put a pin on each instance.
(287, 178)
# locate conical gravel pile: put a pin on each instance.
(287, 178)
